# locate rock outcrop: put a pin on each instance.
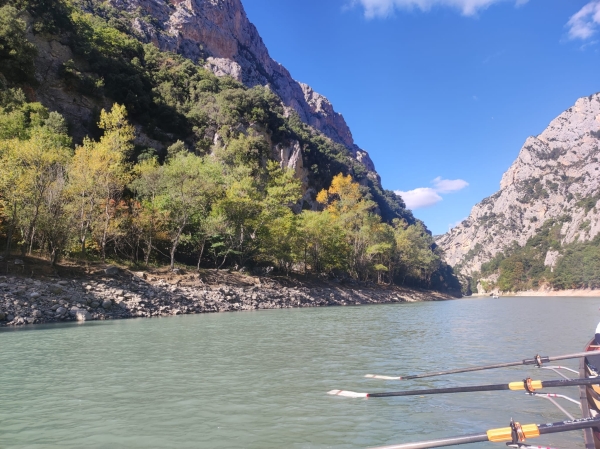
(556, 176)
(219, 33)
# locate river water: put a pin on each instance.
(258, 379)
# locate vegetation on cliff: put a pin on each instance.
(210, 192)
(576, 265)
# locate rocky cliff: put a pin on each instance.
(219, 33)
(555, 177)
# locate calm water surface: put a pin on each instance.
(258, 380)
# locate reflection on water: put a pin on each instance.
(258, 380)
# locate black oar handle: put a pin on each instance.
(461, 370)
(440, 391)
(570, 382)
(568, 426)
(524, 385)
(534, 361)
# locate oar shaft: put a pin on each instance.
(515, 386)
(461, 370)
(502, 435)
(440, 391)
(454, 441)
(533, 361)
(568, 426)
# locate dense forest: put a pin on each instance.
(210, 192)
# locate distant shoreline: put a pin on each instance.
(583, 293)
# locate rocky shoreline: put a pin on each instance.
(114, 293)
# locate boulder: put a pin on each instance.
(60, 311)
(37, 314)
(2, 316)
(107, 304)
(112, 270)
(80, 314)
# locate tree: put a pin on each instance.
(147, 186)
(189, 185)
(97, 176)
(323, 245)
(414, 254)
(277, 225)
(16, 52)
(355, 214)
(33, 160)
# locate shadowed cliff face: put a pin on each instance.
(219, 32)
(556, 176)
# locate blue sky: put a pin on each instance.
(441, 93)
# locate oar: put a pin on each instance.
(527, 385)
(515, 432)
(537, 360)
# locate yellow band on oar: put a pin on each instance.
(515, 386)
(505, 433)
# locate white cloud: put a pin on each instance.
(383, 8)
(429, 196)
(420, 198)
(449, 185)
(584, 23)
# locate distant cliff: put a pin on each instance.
(553, 185)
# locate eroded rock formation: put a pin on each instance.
(556, 176)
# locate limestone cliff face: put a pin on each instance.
(219, 32)
(556, 176)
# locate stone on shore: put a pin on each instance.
(81, 314)
(112, 270)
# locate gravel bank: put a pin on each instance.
(114, 293)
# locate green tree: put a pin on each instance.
(97, 177)
(16, 52)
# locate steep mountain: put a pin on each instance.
(546, 204)
(218, 34)
(99, 55)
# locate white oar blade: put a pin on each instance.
(347, 394)
(375, 376)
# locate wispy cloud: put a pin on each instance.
(384, 8)
(428, 196)
(449, 185)
(584, 24)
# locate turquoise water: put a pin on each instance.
(258, 379)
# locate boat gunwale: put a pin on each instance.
(590, 440)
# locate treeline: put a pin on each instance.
(210, 194)
(223, 209)
(523, 268)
